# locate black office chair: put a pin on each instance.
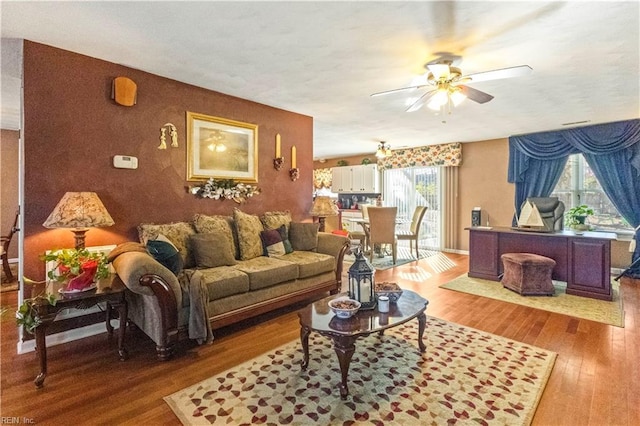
(551, 210)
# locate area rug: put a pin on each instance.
(465, 376)
(403, 256)
(602, 311)
(6, 285)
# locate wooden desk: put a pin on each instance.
(583, 261)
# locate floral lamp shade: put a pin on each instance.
(79, 211)
(323, 207)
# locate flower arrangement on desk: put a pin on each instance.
(79, 267)
(225, 189)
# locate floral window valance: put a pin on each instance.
(322, 178)
(425, 156)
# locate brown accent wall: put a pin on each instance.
(9, 157)
(483, 183)
(73, 129)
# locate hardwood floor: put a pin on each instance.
(595, 381)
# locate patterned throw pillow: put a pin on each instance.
(284, 234)
(217, 223)
(304, 236)
(273, 220)
(272, 243)
(249, 227)
(212, 249)
(178, 233)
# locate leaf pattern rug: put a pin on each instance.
(466, 376)
(602, 311)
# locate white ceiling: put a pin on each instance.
(324, 59)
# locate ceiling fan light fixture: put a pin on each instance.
(439, 99)
(456, 96)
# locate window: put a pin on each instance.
(578, 185)
(410, 187)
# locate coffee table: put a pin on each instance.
(344, 332)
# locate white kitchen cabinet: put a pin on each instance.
(361, 179)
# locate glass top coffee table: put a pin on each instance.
(318, 317)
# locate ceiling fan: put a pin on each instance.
(447, 85)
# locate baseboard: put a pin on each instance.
(456, 251)
(67, 336)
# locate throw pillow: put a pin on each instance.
(273, 220)
(217, 223)
(212, 249)
(284, 234)
(249, 227)
(178, 233)
(163, 250)
(272, 243)
(304, 236)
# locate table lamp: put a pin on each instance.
(323, 207)
(79, 211)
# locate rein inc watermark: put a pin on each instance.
(7, 420)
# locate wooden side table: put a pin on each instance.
(110, 290)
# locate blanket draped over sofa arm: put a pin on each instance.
(199, 325)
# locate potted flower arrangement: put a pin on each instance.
(575, 217)
(78, 267)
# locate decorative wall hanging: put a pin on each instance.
(278, 161)
(173, 133)
(225, 189)
(124, 91)
(294, 172)
(221, 148)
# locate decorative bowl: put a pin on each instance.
(391, 290)
(344, 307)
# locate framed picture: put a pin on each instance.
(221, 149)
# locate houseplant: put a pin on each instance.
(79, 267)
(575, 217)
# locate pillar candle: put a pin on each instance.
(278, 145)
(365, 288)
(293, 157)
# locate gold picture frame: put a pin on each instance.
(221, 149)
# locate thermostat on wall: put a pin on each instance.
(125, 162)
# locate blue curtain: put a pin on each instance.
(612, 151)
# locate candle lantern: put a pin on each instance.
(362, 281)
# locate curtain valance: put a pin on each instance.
(595, 140)
(322, 178)
(424, 156)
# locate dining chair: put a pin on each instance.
(382, 229)
(413, 233)
(363, 235)
(4, 249)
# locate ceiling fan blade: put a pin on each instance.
(421, 101)
(386, 92)
(439, 71)
(475, 94)
(518, 71)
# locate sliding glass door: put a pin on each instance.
(411, 187)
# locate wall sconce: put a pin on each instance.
(294, 172)
(163, 138)
(278, 162)
(124, 91)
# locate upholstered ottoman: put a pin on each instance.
(528, 274)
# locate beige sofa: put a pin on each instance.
(231, 270)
